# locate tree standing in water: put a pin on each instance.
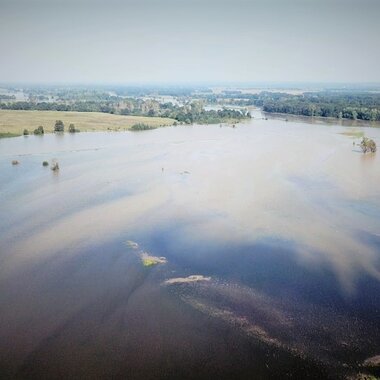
(368, 145)
(59, 126)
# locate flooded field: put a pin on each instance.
(191, 252)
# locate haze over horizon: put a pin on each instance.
(189, 41)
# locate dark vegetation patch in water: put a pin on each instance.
(327, 324)
(116, 321)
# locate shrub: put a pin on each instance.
(39, 130)
(26, 132)
(141, 127)
(72, 128)
(368, 145)
(59, 126)
(54, 166)
(8, 134)
(45, 163)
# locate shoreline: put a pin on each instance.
(321, 120)
(88, 122)
(13, 122)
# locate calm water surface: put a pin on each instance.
(281, 218)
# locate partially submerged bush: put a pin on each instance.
(142, 127)
(45, 163)
(39, 130)
(15, 162)
(368, 145)
(26, 132)
(8, 134)
(59, 126)
(72, 129)
(54, 166)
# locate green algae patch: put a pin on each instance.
(150, 261)
(147, 260)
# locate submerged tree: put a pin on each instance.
(72, 128)
(368, 145)
(39, 130)
(54, 166)
(59, 126)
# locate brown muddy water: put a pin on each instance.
(191, 252)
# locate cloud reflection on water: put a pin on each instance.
(243, 185)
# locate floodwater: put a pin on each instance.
(267, 246)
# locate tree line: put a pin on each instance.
(342, 105)
(59, 126)
(189, 113)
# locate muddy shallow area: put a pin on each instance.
(191, 252)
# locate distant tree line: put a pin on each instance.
(355, 102)
(7, 97)
(191, 112)
(57, 106)
(343, 105)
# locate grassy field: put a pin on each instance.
(14, 122)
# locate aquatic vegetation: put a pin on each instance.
(149, 261)
(45, 163)
(142, 127)
(8, 134)
(131, 244)
(146, 259)
(186, 280)
(15, 162)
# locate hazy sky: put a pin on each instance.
(189, 40)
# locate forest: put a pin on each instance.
(187, 104)
(342, 105)
(192, 111)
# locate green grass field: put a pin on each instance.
(14, 122)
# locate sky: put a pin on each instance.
(188, 41)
